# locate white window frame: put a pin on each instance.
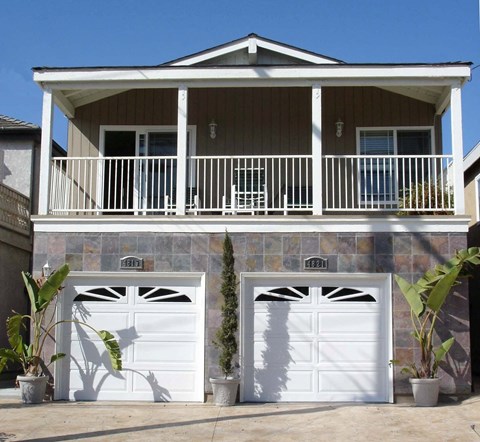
(365, 201)
(477, 196)
(140, 130)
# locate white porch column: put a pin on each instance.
(317, 149)
(182, 148)
(45, 152)
(457, 148)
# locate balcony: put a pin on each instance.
(14, 210)
(256, 185)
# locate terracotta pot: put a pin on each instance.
(224, 391)
(32, 388)
(425, 391)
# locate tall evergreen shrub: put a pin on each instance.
(226, 337)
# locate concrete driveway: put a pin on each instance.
(110, 421)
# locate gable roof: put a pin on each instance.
(250, 45)
(248, 62)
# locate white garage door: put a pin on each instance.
(317, 339)
(159, 322)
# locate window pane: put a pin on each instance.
(376, 142)
(414, 142)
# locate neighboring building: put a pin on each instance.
(19, 171)
(298, 156)
(471, 167)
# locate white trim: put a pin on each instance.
(61, 366)
(141, 130)
(249, 278)
(182, 118)
(294, 53)
(252, 224)
(209, 54)
(252, 50)
(45, 153)
(82, 79)
(247, 42)
(395, 130)
(457, 148)
(477, 196)
(317, 149)
(65, 104)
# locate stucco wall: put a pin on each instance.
(408, 254)
(16, 158)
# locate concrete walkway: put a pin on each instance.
(133, 421)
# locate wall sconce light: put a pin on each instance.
(339, 127)
(213, 129)
(46, 270)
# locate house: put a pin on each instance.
(471, 168)
(19, 172)
(306, 160)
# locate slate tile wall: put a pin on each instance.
(408, 254)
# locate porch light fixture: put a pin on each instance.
(46, 270)
(213, 129)
(339, 127)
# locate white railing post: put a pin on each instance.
(317, 149)
(457, 148)
(45, 152)
(182, 149)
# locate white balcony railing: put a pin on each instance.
(261, 184)
(408, 183)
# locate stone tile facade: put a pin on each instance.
(407, 254)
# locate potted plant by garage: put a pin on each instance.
(43, 294)
(426, 298)
(225, 388)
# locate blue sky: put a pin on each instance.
(148, 32)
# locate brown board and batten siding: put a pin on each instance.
(254, 121)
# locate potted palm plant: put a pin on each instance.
(225, 388)
(426, 298)
(43, 294)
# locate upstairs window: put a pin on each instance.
(384, 169)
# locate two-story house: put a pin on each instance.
(316, 167)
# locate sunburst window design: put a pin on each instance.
(102, 294)
(343, 294)
(284, 294)
(160, 294)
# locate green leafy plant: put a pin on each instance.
(426, 195)
(226, 339)
(426, 298)
(43, 294)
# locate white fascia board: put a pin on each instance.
(471, 158)
(211, 54)
(253, 224)
(428, 74)
(294, 53)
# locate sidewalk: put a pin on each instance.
(133, 421)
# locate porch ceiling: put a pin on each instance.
(70, 99)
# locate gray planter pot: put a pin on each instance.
(32, 388)
(224, 391)
(425, 391)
